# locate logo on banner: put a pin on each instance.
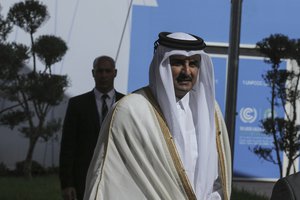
(248, 114)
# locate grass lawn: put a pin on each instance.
(47, 188)
(39, 188)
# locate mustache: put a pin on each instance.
(183, 77)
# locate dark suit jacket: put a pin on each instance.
(287, 188)
(80, 133)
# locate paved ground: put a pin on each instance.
(258, 187)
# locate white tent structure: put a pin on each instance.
(90, 28)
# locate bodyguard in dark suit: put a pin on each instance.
(81, 128)
(287, 188)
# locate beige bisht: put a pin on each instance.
(136, 157)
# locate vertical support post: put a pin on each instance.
(232, 70)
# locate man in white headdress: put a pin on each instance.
(167, 140)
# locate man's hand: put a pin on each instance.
(69, 193)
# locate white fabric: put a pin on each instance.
(132, 139)
(137, 163)
(190, 156)
(137, 157)
(182, 36)
(202, 98)
(224, 154)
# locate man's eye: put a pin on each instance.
(194, 64)
(177, 62)
(103, 70)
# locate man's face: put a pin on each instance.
(104, 74)
(185, 73)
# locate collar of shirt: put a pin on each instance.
(183, 103)
(110, 94)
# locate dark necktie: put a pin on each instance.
(104, 106)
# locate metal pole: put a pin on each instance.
(232, 70)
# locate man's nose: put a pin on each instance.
(186, 67)
(104, 73)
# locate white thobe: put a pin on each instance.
(189, 151)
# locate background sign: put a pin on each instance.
(253, 106)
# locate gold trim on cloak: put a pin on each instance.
(174, 153)
(221, 156)
(171, 146)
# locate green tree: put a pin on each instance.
(31, 93)
(284, 95)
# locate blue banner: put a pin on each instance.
(252, 106)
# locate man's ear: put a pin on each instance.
(93, 72)
(116, 71)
